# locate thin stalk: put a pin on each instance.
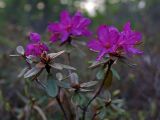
(61, 106)
(98, 91)
(72, 114)
(96, 113)
(69, 61)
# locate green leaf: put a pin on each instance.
(51, 87)
(79, 99)
(88, 84)
(102, 114)
(61, 66)
(20, 50)
(23, 72)
(107, 95)
(63, 84)
(117, 108)
(54, 55)
(98, 63)
(115, 73)
(100, 74)
(56, 66)
(108, 80)
(74, 78)
(32, 72)
(59, 76)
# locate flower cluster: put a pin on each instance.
(35, 48)
(69, 27)
(114, 43)
(109, 42)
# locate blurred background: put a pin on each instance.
(139, 86)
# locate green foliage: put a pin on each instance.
(100, 74)
(51, 87)
(79, 99)
(115, 74)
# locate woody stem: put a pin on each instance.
(98, 91)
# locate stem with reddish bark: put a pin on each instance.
(70, 72)
(61, 106)
(98, 91)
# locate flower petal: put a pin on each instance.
(34, 37)
(103, 33)
(101, 54)
(127, 26)
(54, 27)
(64, 36)
(54, 37)
(95, 45)
(132, 50)
(113, 34)
(65, 17)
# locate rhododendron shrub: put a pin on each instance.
(87, 99)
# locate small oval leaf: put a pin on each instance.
(59, 76)
(54, 55)
(51, 87)
(74, 78)
(98, 63)
(32, 72)
(56, 66)
(20, 50)
(88, 84)
(23, 72)
(62, 66)
(115, 73)
(63, 84)
(68, 67)
(100, 74)
(79, 99)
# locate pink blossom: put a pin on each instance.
(111, 42)
(34, 37)
(129, 39)
(35, 48)
(69, 27)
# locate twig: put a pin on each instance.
(72, 114)
(77, 113)
(69, 62)
(99, 90)
(41, 113)
(96, 113)
(61, 106)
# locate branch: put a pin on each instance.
(97, 113)
(99, 90)
(41, 113)
(61, 106)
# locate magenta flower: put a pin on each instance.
(34, 37)
(114, 43)
(129, 39)
(106, 42)
(36, 48)
(69, 27)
